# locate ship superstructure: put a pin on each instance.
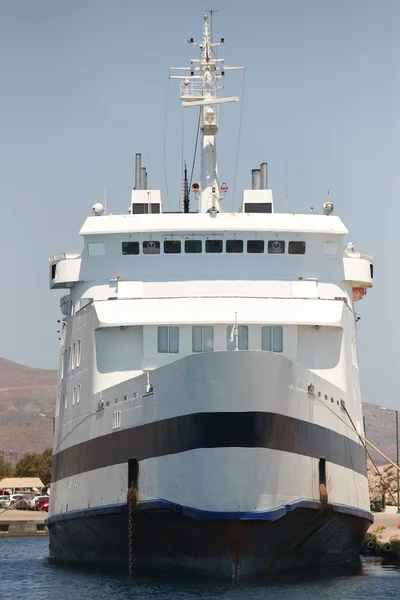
(190, 344)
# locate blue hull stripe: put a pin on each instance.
(207, 515)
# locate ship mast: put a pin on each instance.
(200, 88)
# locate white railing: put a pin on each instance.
(193, 90)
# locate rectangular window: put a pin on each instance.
(297, 247)
(168, 340)
(255, 246)
(140, 208)
(258, 207)
(74, 355)
(130, 247)
(193, 246)
(213, 246)
(202, 338)
(242, 337)
(276, 247)
(272, 338)
(172, 247)
(96, 249)
(234, 246)
(78, 394)
(151, 247)
(78, 353)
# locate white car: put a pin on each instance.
(4, 501)
(14, 498)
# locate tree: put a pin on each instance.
(6, 469)
(30, 465)
(35, 465)
(47, 458)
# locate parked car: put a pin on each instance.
(4, 501)
(45, 506)
(40, 501)
(15, 498)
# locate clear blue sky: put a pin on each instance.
(84, 87)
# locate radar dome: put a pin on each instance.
(98, 209)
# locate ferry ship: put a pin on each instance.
(209, 410)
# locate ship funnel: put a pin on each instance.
(255, 179)
(138, 166)
(264, 176)
(143, 178)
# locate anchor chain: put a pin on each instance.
(131, 496)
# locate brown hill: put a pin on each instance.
(25, 393)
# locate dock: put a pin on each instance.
(383, 537)
(22, 523)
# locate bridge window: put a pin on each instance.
(150, 247)
(172, 247)
(193, 246)
(141, 208)
(272, 338)
(297, 247)
(168, 339)
(96, 249)
(130, 247)
(214, 246)
(276, 247)
(255, 246)
(234, 246)
(242, 337)
(202, 338)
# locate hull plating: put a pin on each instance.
(219, 548)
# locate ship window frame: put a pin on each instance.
(73, 362)
(78, 353)
(293, 243)
(131, 248)
(231, 244)
(151, 250)
(243, 338)
(96, 249)
(214, 246)
(195, 243)
(202, 347)
(78, 393)
(279, 250)
(168, 345)
(253, 244)
(172, 244)
(275, 335)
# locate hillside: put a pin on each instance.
(26, 392)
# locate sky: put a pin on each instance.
(84, 85)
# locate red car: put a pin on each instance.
(40, 503)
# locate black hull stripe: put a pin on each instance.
(210, 430)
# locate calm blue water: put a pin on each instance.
(25, 569)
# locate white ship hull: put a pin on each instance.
(227, 438)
